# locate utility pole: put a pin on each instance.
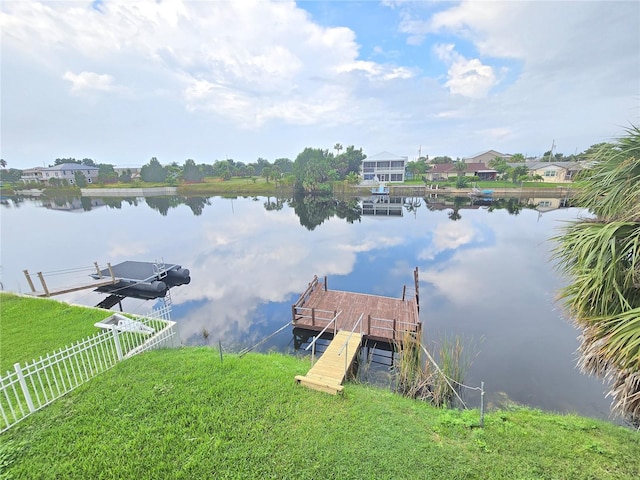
(553, 145)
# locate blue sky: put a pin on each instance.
(121, 82)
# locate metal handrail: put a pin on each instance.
(349, 337)
(323, 330)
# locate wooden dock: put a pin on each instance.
(330, 371)
(382, 319)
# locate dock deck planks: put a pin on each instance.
(384, 318)
(329, 372)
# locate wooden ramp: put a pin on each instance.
(329, 371)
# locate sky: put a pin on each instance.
(123, 81)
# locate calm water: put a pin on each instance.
(485, 274)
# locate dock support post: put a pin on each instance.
(417, 285)
(404, 291)
(368, 325)
(113, 277)
(44, 285)
(394, 329)
(325, 283)
(293, 314)
(482, 404)
(346, 354)
(26, 274)
(98, 270)
(313, 317)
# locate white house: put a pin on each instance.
(64, 171)
(384, 167)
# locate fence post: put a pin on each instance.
(116, 340)
(481, 404)
(25, 390)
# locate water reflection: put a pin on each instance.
(485, 271)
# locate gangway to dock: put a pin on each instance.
(330, 371)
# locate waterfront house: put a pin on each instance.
(64, 171)
(384, 167)
(486, 157)
(445, 171)
(553, 172)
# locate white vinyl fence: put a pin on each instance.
(38, 383)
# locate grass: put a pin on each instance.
(185, 414)
(209, 186)
(30, 327)
(506, 184)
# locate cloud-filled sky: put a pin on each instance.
(124, 81)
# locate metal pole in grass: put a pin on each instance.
(220, 348)
(481, 404)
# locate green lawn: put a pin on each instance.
(183, 414)
(211, 186)
(497, 184)
(30, 327)
(186, 414)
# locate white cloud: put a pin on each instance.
(87, 82)
(449, 236)
(210, 80)
(467, 77)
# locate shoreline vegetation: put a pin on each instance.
(259, 186)
(190, 413)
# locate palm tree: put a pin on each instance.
(460, 167)
(337, 147)
(602, 258)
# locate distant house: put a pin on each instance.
(384, 167)
(64, 171)
(135, 171)
(553, 172)
(31, 175)
(444, 171)
(486, 157)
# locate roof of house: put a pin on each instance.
(70, 166)
(493, 152)
(384, 156)
(539, 165)
(451, 167)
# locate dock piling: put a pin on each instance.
(44, 285)
(29, 281)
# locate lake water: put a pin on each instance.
(485, 273)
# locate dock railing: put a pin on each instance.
(312, 345)
(345, 346)
(33, 385)
(307, 293)
(390, 325)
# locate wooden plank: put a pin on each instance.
(328, 373)
(319, 385)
